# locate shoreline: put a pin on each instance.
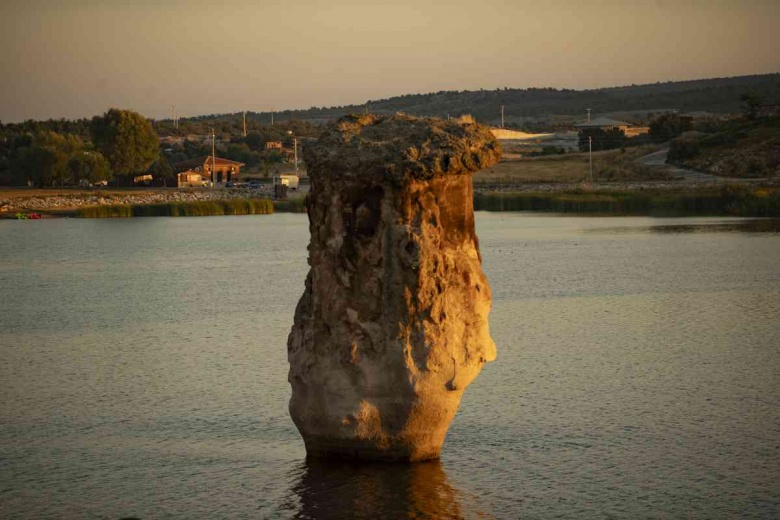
(747, 198)
(58, 199)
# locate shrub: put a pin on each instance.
(683, 148)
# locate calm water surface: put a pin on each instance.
(143, 373)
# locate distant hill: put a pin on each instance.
(538, 106)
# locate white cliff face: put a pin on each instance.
(392, 325)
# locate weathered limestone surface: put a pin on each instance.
(392, 325)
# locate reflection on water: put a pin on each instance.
(768, 225)
(744, 226)
(329, 489)
(143, 374)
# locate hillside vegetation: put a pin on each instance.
(748, 149)
(523, 107)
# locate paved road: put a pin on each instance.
(658, 160)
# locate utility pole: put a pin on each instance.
(590, 154)
(244, 123)
(295, 148)
(588, 115)
(213, 158)
(272, 118)
(502, 116)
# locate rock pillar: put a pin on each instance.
(392, 325)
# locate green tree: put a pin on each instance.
(43, 160)
(91, 167)
(126, 139)
(272, 157)
(239, 152)
(669, 126)
(750, 102)
(41, 165)
(601, 139)
(162, 171)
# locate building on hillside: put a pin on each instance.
(769, 110)
(225, 170)
(273, 145)
(607, 124)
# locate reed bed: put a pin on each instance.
(728, 200)
(296, 205)
(106, 211)
(181, 209)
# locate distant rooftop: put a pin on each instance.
(203, 161)
(600, 122)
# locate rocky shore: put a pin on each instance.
(59, 200)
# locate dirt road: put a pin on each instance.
(658, 160)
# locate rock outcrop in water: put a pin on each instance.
(392, 325)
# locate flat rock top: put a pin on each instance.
(401, 148)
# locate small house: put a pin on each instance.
(224, 170)
(607, 124)
(768, 110)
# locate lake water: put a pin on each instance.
(143, 374)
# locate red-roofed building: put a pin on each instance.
(225, 169)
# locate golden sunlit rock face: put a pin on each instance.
(393, 323)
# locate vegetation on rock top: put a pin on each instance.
(401, 147)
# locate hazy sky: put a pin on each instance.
(78, 58)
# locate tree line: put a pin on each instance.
(60, 152)
(533, 105)
(123, 143)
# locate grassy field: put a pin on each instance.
(611, 165)
(724, 200)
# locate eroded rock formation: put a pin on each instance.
(392, 325)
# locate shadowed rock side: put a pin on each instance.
(392, 325)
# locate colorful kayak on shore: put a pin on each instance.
(26, 216)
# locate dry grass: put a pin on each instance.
(555, 168)
(569, 168)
